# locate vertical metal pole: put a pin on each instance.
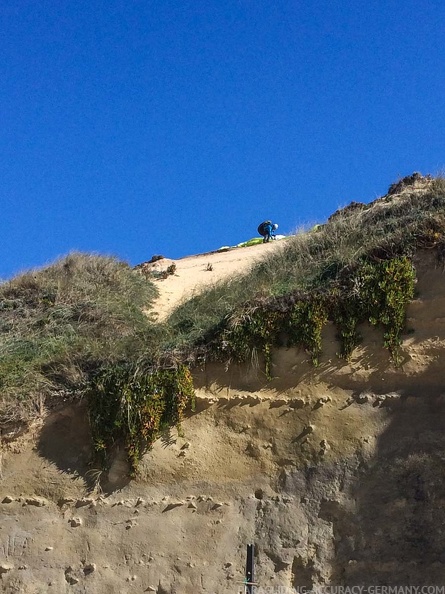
(250, 569)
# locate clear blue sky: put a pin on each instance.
(141, 127)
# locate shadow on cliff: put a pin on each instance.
(396, 536)
(370, 367)
(65, 440)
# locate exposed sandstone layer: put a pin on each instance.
(335, 473)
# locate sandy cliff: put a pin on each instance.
(336, 473)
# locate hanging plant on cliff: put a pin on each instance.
(256, 328)
(305, 323)
(376, 292)
(132, 406)
(388, 288)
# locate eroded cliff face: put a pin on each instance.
(335, 473)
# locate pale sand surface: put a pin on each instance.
(193, 273)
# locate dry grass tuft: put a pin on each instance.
(60, 323)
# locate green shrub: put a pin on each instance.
(130, 405)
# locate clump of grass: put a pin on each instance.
(60, 323)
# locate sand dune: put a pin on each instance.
(195, 272)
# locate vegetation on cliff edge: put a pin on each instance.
(80, 327)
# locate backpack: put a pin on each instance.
(261, 230)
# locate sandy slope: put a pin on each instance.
(195, 272)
